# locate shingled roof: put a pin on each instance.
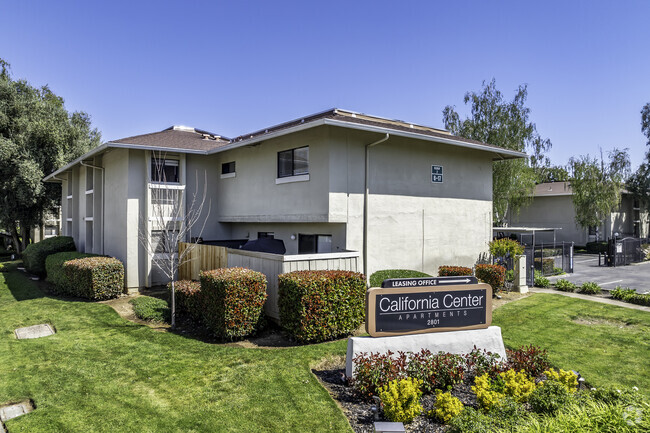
(177, 137)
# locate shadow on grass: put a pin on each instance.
(19, 285)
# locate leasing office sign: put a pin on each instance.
(418, 310)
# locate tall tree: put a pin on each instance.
(639, 182)
(506, 124)
(37, 136)
(597, 185)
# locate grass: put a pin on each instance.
(608, 345)
(101, 373)
(151, 309)
(378, 277)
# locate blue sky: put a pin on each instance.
(235, 67)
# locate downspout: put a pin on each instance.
(365, 204)
(103, 196)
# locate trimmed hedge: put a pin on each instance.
(494, 275)
(35, 254)
(454, 271)
(318, 306)
(96, 278)
(188, 297)
(378, 277)
(231, 301)
(54, 267)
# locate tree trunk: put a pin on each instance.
(24, 231)
(173, 306)
(16, 240)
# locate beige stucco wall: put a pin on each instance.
(552, 212)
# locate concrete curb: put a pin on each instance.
(591, 298)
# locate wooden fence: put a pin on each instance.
(206, 257)
(201, 258)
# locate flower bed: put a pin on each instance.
(483, 394)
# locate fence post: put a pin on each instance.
(520, 274)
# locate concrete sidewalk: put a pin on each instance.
(593, 298)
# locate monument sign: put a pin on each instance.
(417, 310)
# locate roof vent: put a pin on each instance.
(183, 128)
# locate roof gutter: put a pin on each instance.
(365, 203)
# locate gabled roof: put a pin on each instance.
(177, 137)
(184, 139)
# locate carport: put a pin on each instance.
(524, 233)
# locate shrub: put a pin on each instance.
(567, 379)
(596, 247)
(471, 421)
(623, 294)
(505, 247)
(94, 278)
(549, 398)
(35, 254)
(454, 271)
(510, 276)
(439, 371)
(54, 267)
(378, 277)
(565, 286)
(231, 301)
(317, 306)
(372, 372)
(531, 359)
(187, 297)
(494, 275)
(541, 281)
(589, 288)
(517, 384)
(151, 309)
(558, 271)
(446, 407)
(488, 391)
(479, 362)
(401, 400)
(547, 265)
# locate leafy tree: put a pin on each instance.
(37, 136)
(554, 173)
(597, 185)
(638, 183)
(505, 124)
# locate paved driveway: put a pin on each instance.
(585, 267)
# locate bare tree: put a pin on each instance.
(171, 220)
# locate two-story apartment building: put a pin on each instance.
(552, 206)
(407, 196)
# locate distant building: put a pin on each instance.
(552, 206)
(429, 193)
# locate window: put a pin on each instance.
(293, 162)
(228, 167)
(310, 244)
(164, 170)
(162, 241)
(270, 235)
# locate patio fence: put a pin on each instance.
(206, 257)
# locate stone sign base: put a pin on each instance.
(458, 342)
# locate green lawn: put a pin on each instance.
(102, 373)
(608, 345)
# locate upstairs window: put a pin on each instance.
(293, 162)
(164, 170)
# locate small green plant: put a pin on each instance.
(565, 286)
(446, 407)
(510, 276)
(401, 400)
(567, 379)
(505, 247)
(549, 398)
(541, 281)
(151, 309)
(589, 288)
(558, 271)
(471, 420)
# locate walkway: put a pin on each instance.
(593, 298)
